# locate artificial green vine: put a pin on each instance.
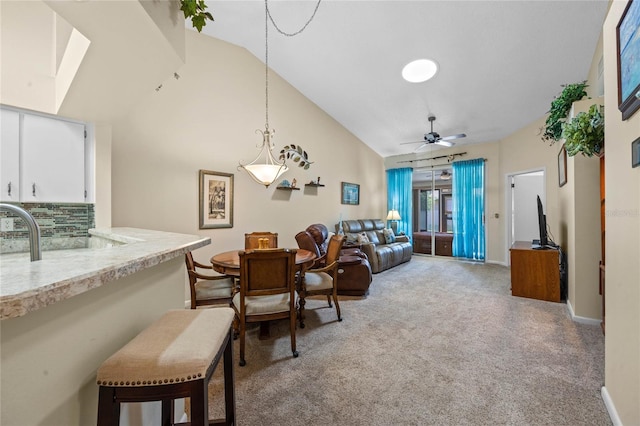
(297, 154)
(560, 106)
(585, 132)
(195, 9)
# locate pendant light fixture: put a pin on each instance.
(270, 169)
(265, 169)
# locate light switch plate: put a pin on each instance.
(6, 224)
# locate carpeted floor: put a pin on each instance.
(436, 342)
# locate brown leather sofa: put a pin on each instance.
(354, 272)
(381, 255)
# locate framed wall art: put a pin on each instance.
(635, 153)
(216, 199)
(562, 166)
(628, 54)
(350, 193)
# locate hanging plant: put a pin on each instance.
(195, 9)
(297, 154)
(585, 132)
(560, 107)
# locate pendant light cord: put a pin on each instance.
(301, 29)
(266, 65)
(267, 18)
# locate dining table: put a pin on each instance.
(228, 263)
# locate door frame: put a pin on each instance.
(508, 203)
(432, 187)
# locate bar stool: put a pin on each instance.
(173, 358)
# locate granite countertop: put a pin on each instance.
(27, 286)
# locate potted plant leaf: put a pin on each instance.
(585, 133)
(195, 9)
(560, 107)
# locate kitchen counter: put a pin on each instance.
(62, 274)
(62, 316)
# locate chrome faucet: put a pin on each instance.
(32, 225)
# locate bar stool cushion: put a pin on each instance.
(178, 347)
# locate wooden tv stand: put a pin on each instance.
(535, 273)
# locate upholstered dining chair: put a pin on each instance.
(252, 240)
(323, 281)
(267, 291)
(207, 289)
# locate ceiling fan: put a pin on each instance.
(433, 137)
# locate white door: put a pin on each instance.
(525, 187)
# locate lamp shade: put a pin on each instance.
(393, 215)
(265, 174)
(267, 171)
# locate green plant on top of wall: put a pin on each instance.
(195, 9)
(585, 132)
(560, 107)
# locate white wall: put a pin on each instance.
(207, 120)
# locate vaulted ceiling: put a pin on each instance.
(500, 62)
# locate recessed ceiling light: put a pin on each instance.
(419, 70)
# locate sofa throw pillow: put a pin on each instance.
(389, 236)
(362, 238)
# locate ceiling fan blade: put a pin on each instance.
(458, 136)
(409, 143)
(421, 146)
(443, 142)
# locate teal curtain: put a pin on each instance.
(399, 197)
(468, 209)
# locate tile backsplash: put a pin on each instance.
(62, 226)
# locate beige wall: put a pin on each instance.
(207, 120)
(50, 357)
(521, 151)
(580, 225)
(622, 188)
(491, 153)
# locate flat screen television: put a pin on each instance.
(542, 224)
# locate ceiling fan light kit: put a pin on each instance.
(420, 70)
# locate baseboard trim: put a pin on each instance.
(611, 409)
(581, 320)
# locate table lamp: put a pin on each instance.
(394, 217)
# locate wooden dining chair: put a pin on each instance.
(324, 280)
(252, 240)
(267, 291)
(207, 289)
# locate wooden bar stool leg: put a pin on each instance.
(108, 407)
(199, 402)
(167, 412)
(229, 391)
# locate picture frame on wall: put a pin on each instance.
(216, 199)
(635, 153)
(628, 55)
(562, 166)
(350, 193)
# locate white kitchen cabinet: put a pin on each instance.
(42, 158)
(9, 155)
(52, 163)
